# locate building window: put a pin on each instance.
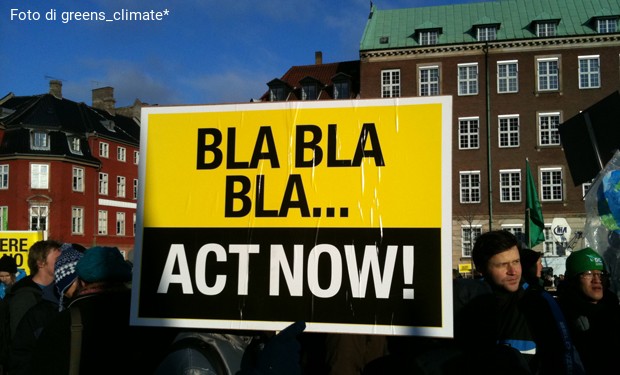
(486, 33)
(429, 81)
(470, 186)
(277, 93)
(75, 145)
(548, 74)
(40, 140)
(468, 79)
(102, 222)
(120, 187)
(509, 131)
(134, 224)
(516, 229)
(469, 133)
(428, 37)
(136, 157)
(4, 218)
(551, 184)
(548, 125)
(510, 185)
(341, 90)
(507, 77)
(546, 29)
(104, 150)
(551, 246)
(78, 179)
(585, 187)
(120, 223)
(4, 176)
(589, 72)
(607, 25)
(38, 217)
(77, 220)
(135, 188)
(39, 176)
(469, 234)
(103, 183)
(121, 154)
(390, 83)
(309, 91)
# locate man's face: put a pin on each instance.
(6, 278)
(504, 269)
(591, 284)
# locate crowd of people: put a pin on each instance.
(70, 315)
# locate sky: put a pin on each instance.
(199, 52)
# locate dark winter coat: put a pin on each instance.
(595, 328)
(23, 295)
(109, 344)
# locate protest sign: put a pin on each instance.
(337, 213)
(16, 243)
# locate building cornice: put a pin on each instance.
(494, 46)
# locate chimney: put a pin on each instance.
(56, 88)
(318, 58)
(103, 98)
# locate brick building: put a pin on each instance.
(69, 169)
(516, 70)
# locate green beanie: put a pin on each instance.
(583, 260)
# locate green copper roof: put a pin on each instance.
(516, 20)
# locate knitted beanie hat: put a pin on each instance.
(7, 264)
(64, 268)
(583, 260)
(102, 263)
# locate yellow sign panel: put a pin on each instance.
(361, 165)
(17, 244)
(335, 213)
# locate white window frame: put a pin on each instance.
(510, 185)
(38, 215)
(428, 37)
(103, 183)
(469, 133)
(39, 176)
(589, 72)
(468, 79)
(508, 131)
(552, 184)
(585, 187)
(102, 222)
(78, 179)
(276, 93)
(121, 186)
(428, 80)
(121, 154)
(548, 74)
(104, 150)
(469, 234)
(515, 229)
(135, 188)
(390, 83)
(40, 140)
(120, 223)
(548, 128)
(486, 33)
(74, 145)
(136, 157)
(469, 187)
(546, 29)
(606, 25)
(507, 76)
(77, 220)
(4, 176)
(551, 246)
(4, 218)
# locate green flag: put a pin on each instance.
(535, 230)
